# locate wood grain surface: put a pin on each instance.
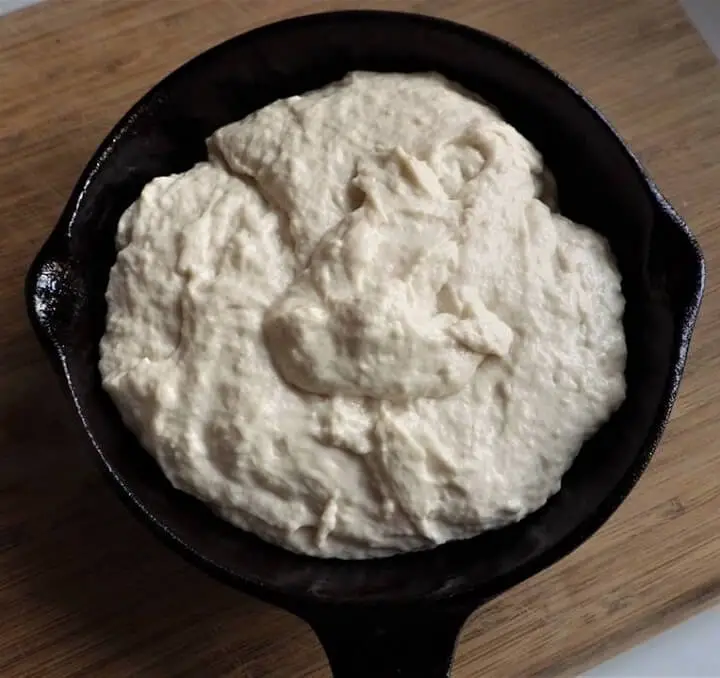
(86, 591)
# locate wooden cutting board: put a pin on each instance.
(86, 591)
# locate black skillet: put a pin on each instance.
(398, 616)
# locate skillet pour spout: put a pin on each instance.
(395, 616)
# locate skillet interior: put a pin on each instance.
(599, 184)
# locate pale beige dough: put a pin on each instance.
(357, 330)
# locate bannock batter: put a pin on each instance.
(357, 329)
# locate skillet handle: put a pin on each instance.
(412, 645)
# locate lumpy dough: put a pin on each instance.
(357, 329)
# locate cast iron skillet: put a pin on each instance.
(398, 616)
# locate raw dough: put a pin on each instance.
(357, 329)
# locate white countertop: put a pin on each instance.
(688, 650)
(691, 649)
